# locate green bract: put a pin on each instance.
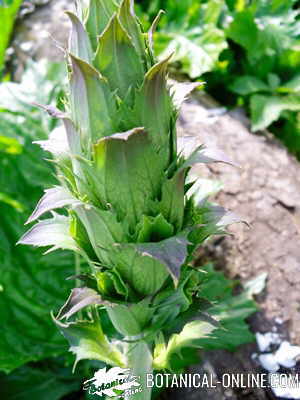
(132, 215)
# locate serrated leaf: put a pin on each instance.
(79, 42)
(130, 172)
(50, 232)
(88, 342)
(117, 59)
(206, 155)
(247, 84)
(56, 197)
(79, 299)
(92, 104)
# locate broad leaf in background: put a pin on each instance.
(8, 13)
(191, 32)
(47, 380)
(31, 285)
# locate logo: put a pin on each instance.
(116, 382)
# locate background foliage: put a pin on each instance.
(247, 52)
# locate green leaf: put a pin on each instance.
(153, 229)
(100, 12)
(31, 284)
(102, 228)
(39, 382)
(10, 145)
(131, 25)
(129, 172)
(190, 336)
(267, 109)
(292, 85)
(92, 103)
(117, 59)
(154, 95)
(203, 332)
(145, 274)
(7, 17)
(88, 342)
(124, 320)
(79, 43)
(247, 84)
(172, 200)
(243, 30)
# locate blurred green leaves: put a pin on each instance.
(31, 285)
(8, 13)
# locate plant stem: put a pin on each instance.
(140, 362)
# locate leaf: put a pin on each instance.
(117, 59)
(267, 109)
(124, 320)
(50, 232)
(102, 228)
(153, 29)
(230, 332)
(154, 95)
(206, 155)
(100, 12)
(79, 299)
(190, 336)
(197, 52)
(79, 43)
(31, 284)
(170, 252)
(152, 229)
(56, 197)
(91, 102)
(129, 22)
(10, 145)
(7, 16)
(88, 342)
(143, 273)
(292, 85)
(247, 84)
(39, 382)
(172, 199)
(180, 91)
(257, 285)
(244, 31)
(129, 172)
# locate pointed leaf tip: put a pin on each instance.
(79, 299)
(79, 43)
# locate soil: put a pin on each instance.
(265, 191)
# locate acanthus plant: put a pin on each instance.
(133, 214)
